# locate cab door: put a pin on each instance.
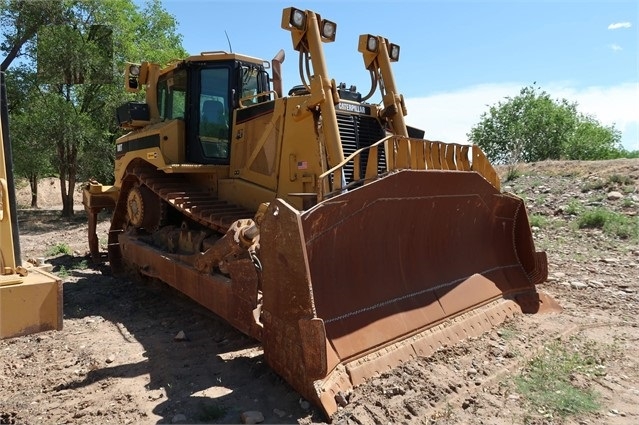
(210, 126)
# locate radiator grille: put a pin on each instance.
(356, 132)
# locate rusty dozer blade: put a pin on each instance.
(394, 269)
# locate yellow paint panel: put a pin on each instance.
(35, 305)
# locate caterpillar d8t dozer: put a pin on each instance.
(316, 222)
(30, 298)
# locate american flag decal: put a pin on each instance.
(302, 165)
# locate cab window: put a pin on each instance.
(172, 95)
(250, 86)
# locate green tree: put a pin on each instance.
(20, 21)
(78, 60)
(630, 154)
(29, 158)
(534, 127)
(591, 141)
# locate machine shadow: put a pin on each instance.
(213, 376)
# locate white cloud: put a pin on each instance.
(450, 116)
(618, 25)
(616, 47)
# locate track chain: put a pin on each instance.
(196, 203)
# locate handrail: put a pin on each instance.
(252, 96)
(351, 156)
(406, 153)
(214, 52)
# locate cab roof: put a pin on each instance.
(215, 56)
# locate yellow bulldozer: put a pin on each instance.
(316, 222)
(30, 297)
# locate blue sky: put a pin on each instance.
(457, 56)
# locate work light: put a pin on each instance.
(328, 30)
(298, 19)
(371, 44)
(134, 70)
(393, 52)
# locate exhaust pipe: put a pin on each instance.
(276, 64)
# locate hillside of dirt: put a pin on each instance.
(139, 353)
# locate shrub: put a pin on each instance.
(546, 381)
(619, 179)
(612, 223)
(512, 173)
(574, 207)
(593, 185)
(61, 248)
(538, 220)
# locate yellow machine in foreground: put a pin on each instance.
(317, 223)
(30, 299)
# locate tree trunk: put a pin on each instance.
(64, 195)
(68, 155)
(33, 182)
(67, 206)
(71, 190)
(62, 169)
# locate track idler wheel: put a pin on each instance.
(144, 208)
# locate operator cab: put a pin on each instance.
(202, 91)
(204, 94)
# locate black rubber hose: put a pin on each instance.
(13, 211)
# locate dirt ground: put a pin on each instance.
(117, 360)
